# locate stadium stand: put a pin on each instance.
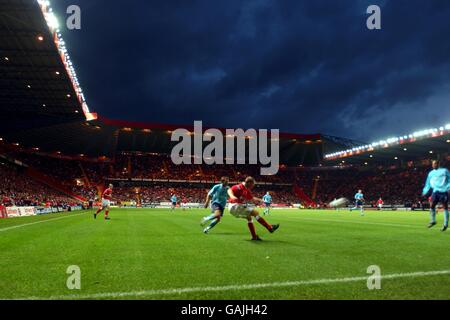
(55, 150)
(17, 189)
(397, 186)
(146, 179)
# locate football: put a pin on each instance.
(338, 203)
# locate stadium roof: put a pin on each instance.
(105, 137)
(43, 106)
(38, 81)
(428, 143)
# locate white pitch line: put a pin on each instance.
(37, 222)
(178, 291)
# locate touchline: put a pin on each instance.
(228, 149)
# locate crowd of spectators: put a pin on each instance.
(395, 186)
(398, 186)
(160, 192)
(162, 167)
(16, 189)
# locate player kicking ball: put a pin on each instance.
(267, 199)
(359, 202)
(438, 181)
(106, 202)
(241, 193)
(218, 196)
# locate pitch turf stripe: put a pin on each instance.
(148, 293)
(361, 222)
(37, 222)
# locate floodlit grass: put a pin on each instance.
(143, 251)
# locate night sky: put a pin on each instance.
(299, 66)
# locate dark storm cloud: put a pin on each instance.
(301, 66)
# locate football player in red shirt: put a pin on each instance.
(239, 195)
(380, 204)
(184, 203)
(106, 202)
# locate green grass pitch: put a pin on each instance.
(159, 254)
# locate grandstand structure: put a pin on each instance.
(46, 120)
(419, 145)
(43, 105)
(49, 135)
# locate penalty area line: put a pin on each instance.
(38, 222)
(143, 293)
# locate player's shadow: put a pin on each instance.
(222, 234)
(272, 242)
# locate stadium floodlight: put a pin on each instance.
(52, 21)
(420, 134)
(45, 3)
(53, 25)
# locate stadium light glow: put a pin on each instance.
(53, 25)
(52, 21)
(421, 134)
